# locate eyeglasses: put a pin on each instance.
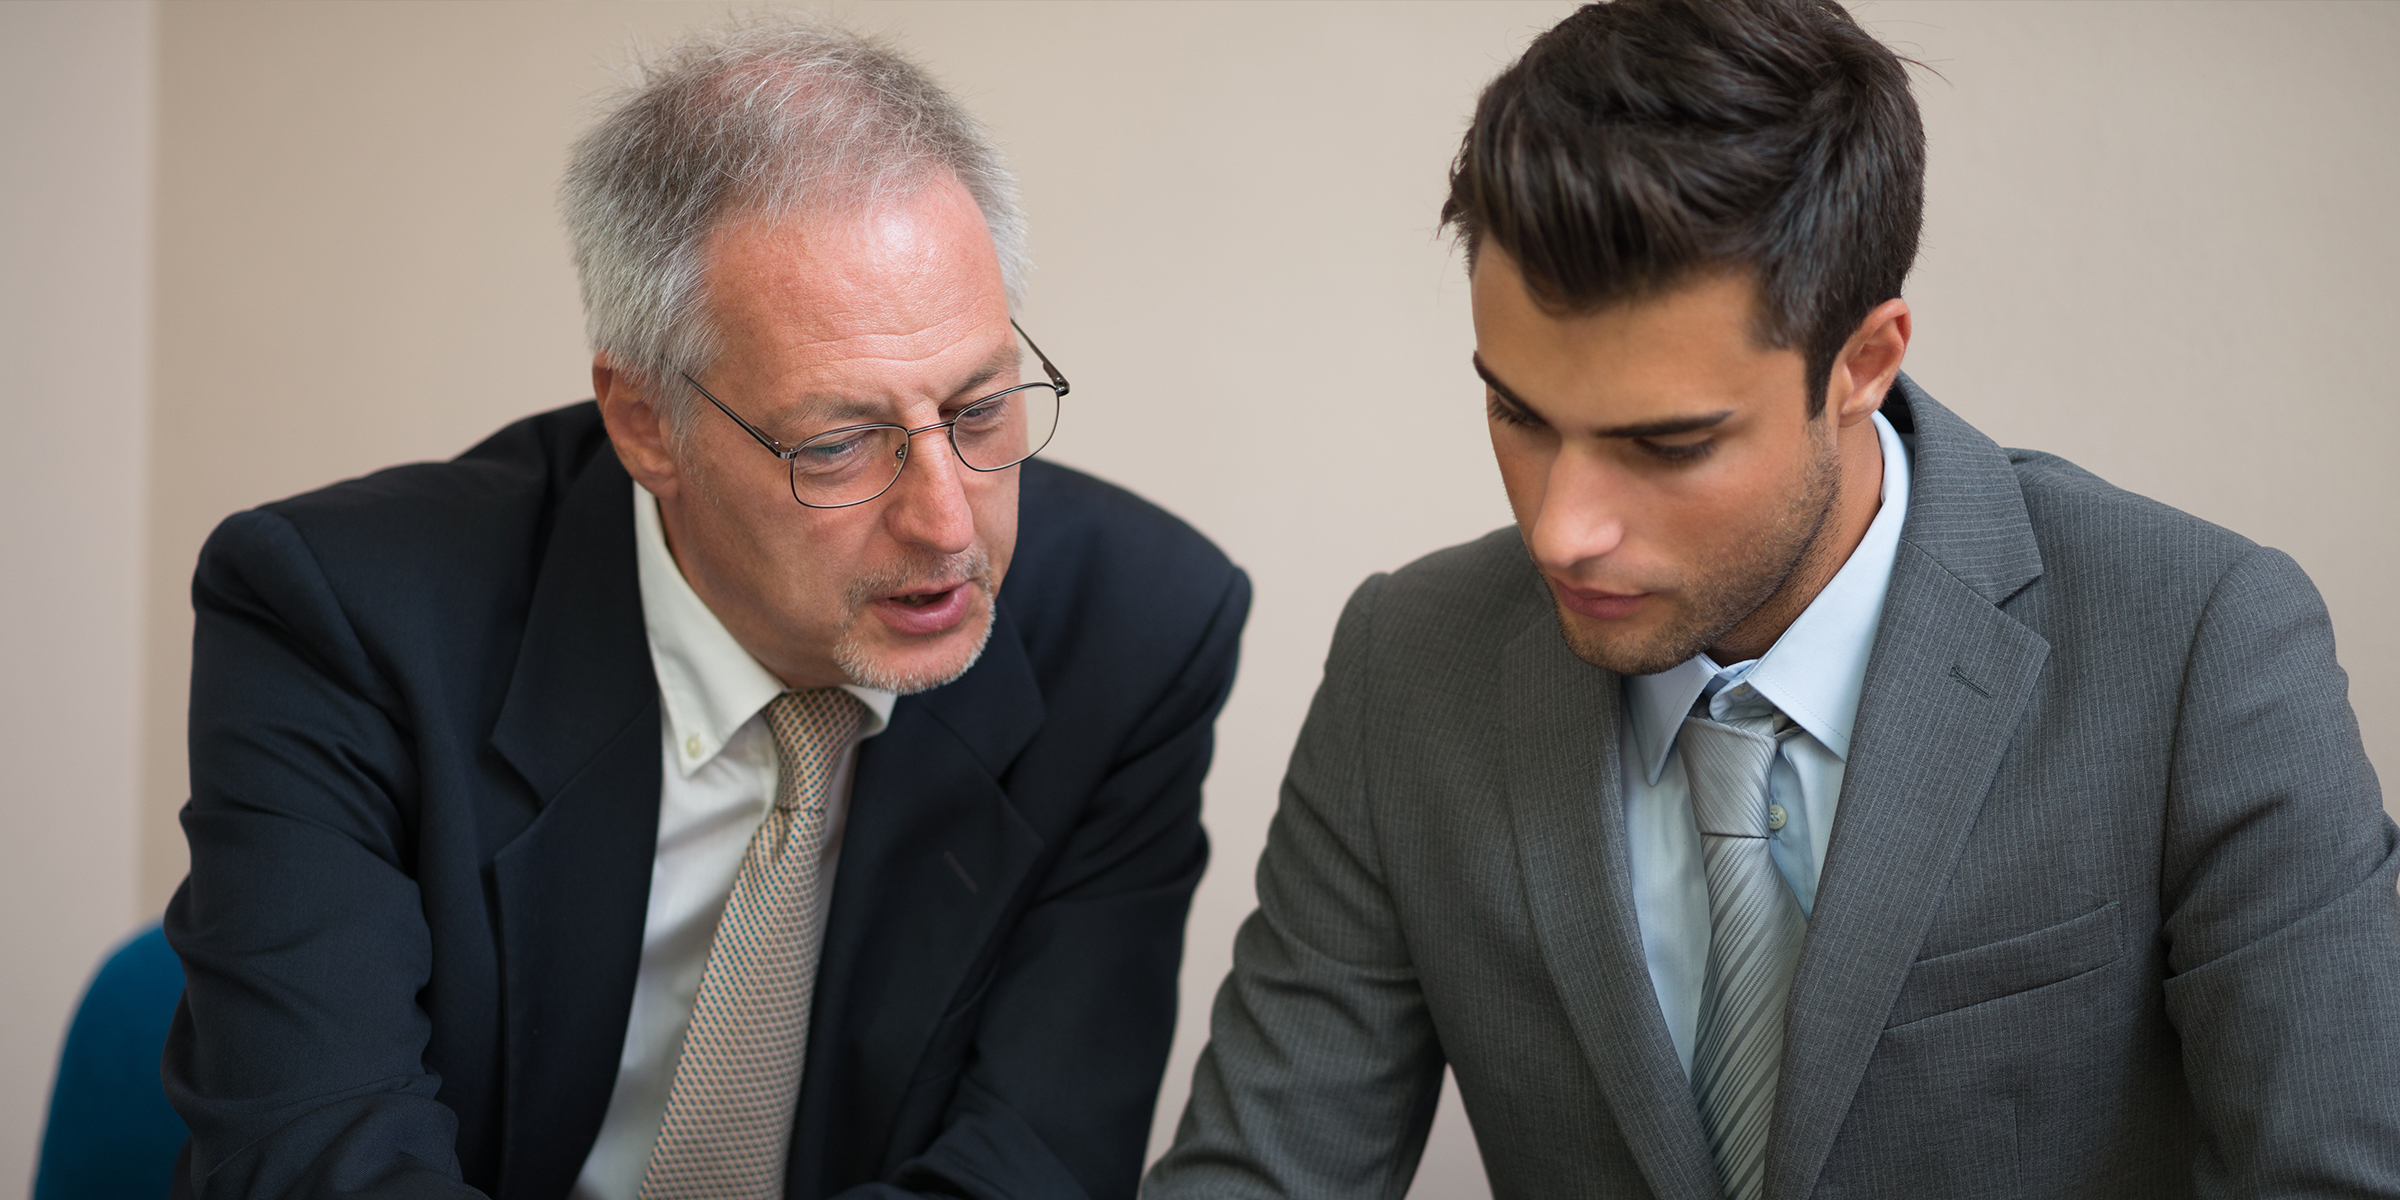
(856, 463)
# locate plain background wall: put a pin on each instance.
(2154, 245)
(75, 113)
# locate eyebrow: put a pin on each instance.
(972, 389)
(1645, 429)
(841, 409)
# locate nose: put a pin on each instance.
(927, 505)
(1579, 517)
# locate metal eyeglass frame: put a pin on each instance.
(1057, 384)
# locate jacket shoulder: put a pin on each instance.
(422, 546)
(1483, 588)
(2093, 533)
(1476, 570)
(2065, 491)
(1076, 533)
(1098, 569)
(526, 463)
(1067, 514)
(1429, 632)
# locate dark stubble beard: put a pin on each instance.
(857, 661)
(1725, 594)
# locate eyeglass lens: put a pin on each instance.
(854, 465)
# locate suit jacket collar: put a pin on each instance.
(583, 666)
(995, 709)
(1947, 686)
(1966, 510)
(580, 724)
(933, 860)
(1560, 730)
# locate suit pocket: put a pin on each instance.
(1953, 981)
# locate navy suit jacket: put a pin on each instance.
(425, 776)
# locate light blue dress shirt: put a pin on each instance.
(1813, 674)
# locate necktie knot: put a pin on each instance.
(811, 729)
(1735, 702)
(1727, 764)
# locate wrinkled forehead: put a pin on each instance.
(898, 302)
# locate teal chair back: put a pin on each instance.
(111, 1134)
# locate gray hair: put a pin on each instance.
(769, 117)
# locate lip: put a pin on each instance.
(923, 620)
(1597, 604)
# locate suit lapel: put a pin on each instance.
(1561, 731)
(580, 723)
(933, 857)
(1946, 688)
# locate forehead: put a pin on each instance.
(909, 283)
(1646, 359)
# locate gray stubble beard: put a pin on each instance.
(850, 652)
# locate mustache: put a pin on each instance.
(922, 573)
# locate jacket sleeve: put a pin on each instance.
(2283, 931)
(297, 1055)
(1322, 1068)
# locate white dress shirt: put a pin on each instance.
(1813, 674)
(717, 784)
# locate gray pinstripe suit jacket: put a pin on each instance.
(2108, 909)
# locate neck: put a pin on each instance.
(1858, 495)
(727, 603)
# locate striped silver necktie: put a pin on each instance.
(1755, 928)
(728, 1124)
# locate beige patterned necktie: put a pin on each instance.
(1755, 929)
(729, 1112)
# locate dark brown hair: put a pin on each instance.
(1643, 142)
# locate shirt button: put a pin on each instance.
(691, 747)
(1776, 816)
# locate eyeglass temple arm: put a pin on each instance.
(774, 447)
(1056, 380)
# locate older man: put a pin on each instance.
(665, 798)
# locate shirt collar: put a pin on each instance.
(708, 684)
(1817, 670)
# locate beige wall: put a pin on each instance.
(75, 96)
(2154, 246)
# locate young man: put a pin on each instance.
(764, 782)
(1807, 797)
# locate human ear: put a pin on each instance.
(1869, 362)
(637, 427)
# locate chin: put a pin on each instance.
(918, 666)
(1627, 650)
